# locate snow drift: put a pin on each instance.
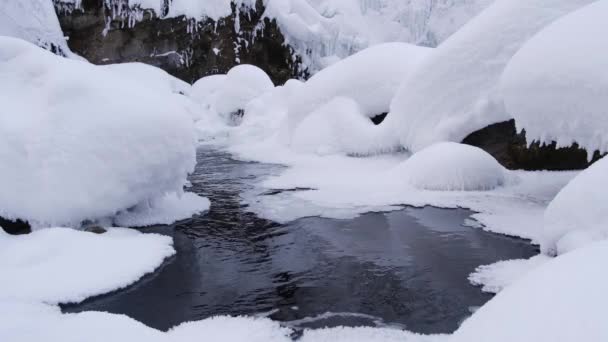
(453, 167)
(556, 86)
(562, 300)
(79, 142)
(370, 78)
(579, 213)
(454, 92)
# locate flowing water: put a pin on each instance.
(404, 268)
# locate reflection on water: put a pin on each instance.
(405, 268)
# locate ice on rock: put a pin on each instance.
(453, 167)
(78, 148)
(562, 300)
(578, 214)
(370, 78)
(340, 127)
(556, 86)
(455, 91)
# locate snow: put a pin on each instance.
(340, 127)
(167, 209)
(562, 300)
(453, 167)
(579, 213)
(150, 77)
(565, 61)
(34, 21)
(495, 277)
(455, 91)
(225, 95)
(80, 148)
(74, 265)
(370, 77)
(367, 334)
(323, 32)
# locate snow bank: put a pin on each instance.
(75, 148)
(565, 61)
(323, 32)
(453, 167)
(562, 300)
(454, 92)
(340, 127)
(34, 21)
(497, 276)
(167, 209)
(370, 78)
(61, 265)
(367, 334)
(150, 77)
(579, 213)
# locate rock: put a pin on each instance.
(17, 227)
(95, 230)
(185, 48)
(510, 148)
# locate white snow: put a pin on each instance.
(34, 21)
(163, 210)
(453, 167)
(340, 127)
(62, 265)
(367, 334)
(370, 78)
(562, 300)
(495, 277)
(579, 213)
(150, 77)
(77, 148)
(455, 91)
(565, 61)
(323, 32)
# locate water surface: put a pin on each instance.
(404, 268)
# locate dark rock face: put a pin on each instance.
(510, 148)
(15, 227)
(105, 32)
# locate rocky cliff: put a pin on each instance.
(110, 31)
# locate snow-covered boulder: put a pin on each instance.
(228, 94)
(454, 92)
(79, 142)
(34, 21)
(556, 86)
(150, 77)
(453, 167)
(562, 300)
(579, 212)
(340, 127)
(370, 78)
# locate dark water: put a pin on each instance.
(406, 268)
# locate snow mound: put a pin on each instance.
(62, 265)
(370, 77)
(77, 148)
(455, 91)
(565, 61)
(340, 127)
(34, 21)
(453, 167)
(227, 95)
(497, 276)
(579, 213)
(367, 334)
(561, 301)
(150, 77)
